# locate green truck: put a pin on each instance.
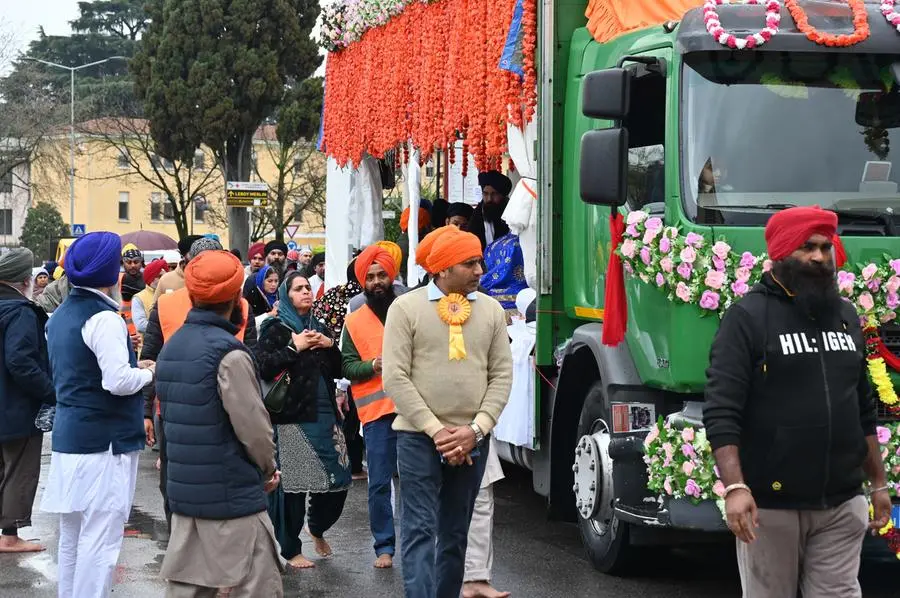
(711, 140)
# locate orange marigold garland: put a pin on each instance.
(860, 25)
(529, 46)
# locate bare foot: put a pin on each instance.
(301, 562)
(384, 561)
(158, 463)
(13, 544)
(482, 589)
(323, 549)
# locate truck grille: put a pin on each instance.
(890, 336)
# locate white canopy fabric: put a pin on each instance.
(414, 273)
(521, 213)
(337, 224)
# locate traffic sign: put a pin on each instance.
(291, 245)
(291, 230)
(78, 230)
(241, 194)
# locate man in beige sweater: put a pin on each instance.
(447, 365)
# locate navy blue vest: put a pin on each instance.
(88, 418)
(210, 475)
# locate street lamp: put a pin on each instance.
(72, 70)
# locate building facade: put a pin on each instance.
(15, 199)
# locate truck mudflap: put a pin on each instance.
(674, 513)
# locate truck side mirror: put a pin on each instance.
(606, 94)
(604, 166)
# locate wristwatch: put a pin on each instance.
(479, 435)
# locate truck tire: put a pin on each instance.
(605, 538)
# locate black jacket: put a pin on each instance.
(793, 394)
(478, 228)
(305, 368)
(153, 344)
(25, 380)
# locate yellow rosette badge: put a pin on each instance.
(454, 310)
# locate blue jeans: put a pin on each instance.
(437, 504)
(381, 452)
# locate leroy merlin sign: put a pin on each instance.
(242, 194)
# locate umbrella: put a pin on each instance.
(147, 240)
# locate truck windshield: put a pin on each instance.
(765, 130)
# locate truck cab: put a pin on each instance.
(712, 140)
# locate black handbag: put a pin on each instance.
(275, 393)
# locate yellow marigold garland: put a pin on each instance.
(882, 381)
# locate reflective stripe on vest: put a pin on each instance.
(367, 333)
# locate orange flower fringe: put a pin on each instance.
(860, 25)
(430, 75)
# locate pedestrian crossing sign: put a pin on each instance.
(78, 230)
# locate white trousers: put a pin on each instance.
(89, 544)
(480, 548)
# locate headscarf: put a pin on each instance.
(131, 252)
(499, 181)
(374, 254)
(16, 264)
(424, 219)
(393, 249)
(93, 260)
(185, 244)
(789, 229)
(293, 255)
(204, 244)
(423, 250)
(272, 245)
(214, 276)
(154, 269)
(256, 249)
(287, 313)
(261, 276)
(451, 248)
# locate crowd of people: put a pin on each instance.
(266, 394)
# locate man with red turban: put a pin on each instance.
(361, 347)
(143, 302)
(790, 416)
(452, 332)
(215, 422)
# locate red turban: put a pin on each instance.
(373, 254)
(424, 219)
(423, 250)
(214, 276)
(452, 248)
(256, 249)
(788, 230)
(154, 269)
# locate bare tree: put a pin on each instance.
(182, 184)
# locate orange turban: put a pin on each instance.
(423, 250)
(394, 250)
(424, 219)
(373, 254)
(788, 230)
(452, 248)
(214, 276)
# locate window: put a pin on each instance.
(6, 182)
(646, 136)
(429, 171)
(124, 160)
(298, 166)
(158, 161)
(160, 209)
(6, 223)
(124, 200)
(254, 161)
(199, 161)
(199, 208)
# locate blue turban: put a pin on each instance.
(93, 260)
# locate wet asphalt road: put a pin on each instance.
(534, 558)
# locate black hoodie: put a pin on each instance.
(793, 395)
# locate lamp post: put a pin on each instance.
(72, 70)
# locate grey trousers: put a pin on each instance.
(20, 468)
(480, 546)
(815, 551)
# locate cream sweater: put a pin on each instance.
(432, 392)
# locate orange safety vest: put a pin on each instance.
(126, 310)
(172, 309)
(367, 333)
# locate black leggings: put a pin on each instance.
(324, 511)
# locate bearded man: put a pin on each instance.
(486, 222)
(790, 416)
(361, 347)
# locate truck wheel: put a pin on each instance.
(605, 538)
